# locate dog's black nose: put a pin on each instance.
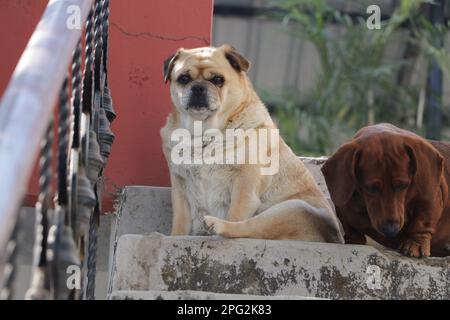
(390, 229)
(198, 89)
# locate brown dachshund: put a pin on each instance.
(393, 186)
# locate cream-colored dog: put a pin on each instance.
(209, 86)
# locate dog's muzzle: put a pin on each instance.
(198, 98)
(390, 229)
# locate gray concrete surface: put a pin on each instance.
(289, 268)
(192, 295)
(143, 210)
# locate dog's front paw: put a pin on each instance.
(417, 248)
(214, 225)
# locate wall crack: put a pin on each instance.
(157, 36)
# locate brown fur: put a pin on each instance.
(388, 177)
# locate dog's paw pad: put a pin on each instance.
(412, 248)
(214, 225)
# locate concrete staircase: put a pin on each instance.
(146, 264)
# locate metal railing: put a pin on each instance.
(66, 221)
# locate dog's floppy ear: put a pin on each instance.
(340, 173)
(236, 60)
(168, 65)
(426, 164)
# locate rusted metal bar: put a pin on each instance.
(28, 103)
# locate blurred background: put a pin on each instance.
(324, 74)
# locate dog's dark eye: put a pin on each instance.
(184, 79)
(373, 189)
(217, 80)
(401, 187)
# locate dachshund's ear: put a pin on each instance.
(168, 65)
(426, 164)
(339, 172)
(412, 159)
(236, 60)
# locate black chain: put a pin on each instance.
(44, 198)
(76, 95)
(63, 147)
(92, 256)
(9, 275)
(98, 35)
(76, 129)
(105, 38)
(61, 220)
(39, 288)
(93, 223)
(88, 64)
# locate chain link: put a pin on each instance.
(63, 147)
(7, 288)
(40, 286)
(105, 38)
(76, 129)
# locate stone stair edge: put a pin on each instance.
(275, 268)
(388, 253)
(193, 295)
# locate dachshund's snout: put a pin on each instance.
(390, 229)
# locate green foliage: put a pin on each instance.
(357, 84)
(429, 36)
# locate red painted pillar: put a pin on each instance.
(142, 34)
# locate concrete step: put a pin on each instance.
(143, 210)
(192, 295)
(273, 268)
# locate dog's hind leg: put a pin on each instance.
(291, 219)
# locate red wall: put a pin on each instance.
(142, 34)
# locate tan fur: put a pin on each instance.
(287, 205)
